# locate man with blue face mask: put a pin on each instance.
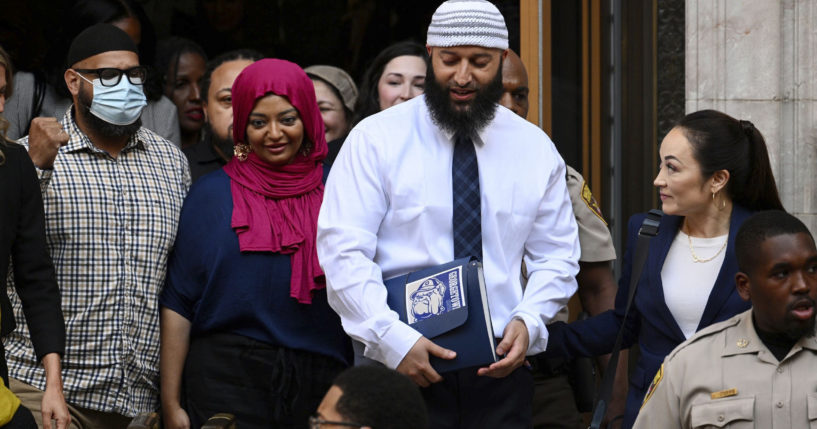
(112, 192)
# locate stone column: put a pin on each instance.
(757, 60)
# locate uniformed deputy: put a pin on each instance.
(553, 398)
(594, 237)
(756, 369)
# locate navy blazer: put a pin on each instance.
(650, 322)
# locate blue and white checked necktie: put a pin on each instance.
(467, 217)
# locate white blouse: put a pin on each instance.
(687, 284)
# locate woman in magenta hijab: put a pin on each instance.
(246, 328)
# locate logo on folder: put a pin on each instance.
(435, 295)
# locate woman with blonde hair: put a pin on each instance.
(22, 239)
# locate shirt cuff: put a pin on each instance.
(44, 176)
(394, 345)
(537, 338)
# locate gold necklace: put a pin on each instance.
(702, 260)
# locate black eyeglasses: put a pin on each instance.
(109, 76)
(315, 422)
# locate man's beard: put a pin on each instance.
(223, 146)
(99, 125)
(796, 329)
(469, 120)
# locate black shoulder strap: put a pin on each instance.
(648, 230)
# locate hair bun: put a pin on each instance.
(746, 125)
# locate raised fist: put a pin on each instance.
(45, 140)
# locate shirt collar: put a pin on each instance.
(743, 339)
(79, 141)
(808, 342)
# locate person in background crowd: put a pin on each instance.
(22, 239)
(757, 368)
(182, 64)
(515, 85)
(336, 93)
(371, 397)
(37, 104)
(432, 183)
(215, 149)
(715, 173)
(112, 192)
(397, 74)
(553, 398)
(246, 327)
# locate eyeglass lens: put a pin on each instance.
(111, 76)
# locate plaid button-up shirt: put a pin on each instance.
(110, 224)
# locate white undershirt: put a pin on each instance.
(687, 283)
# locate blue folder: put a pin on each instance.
(448, 305)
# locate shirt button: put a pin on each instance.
(720, 418)
(779, 405)
(780, 370)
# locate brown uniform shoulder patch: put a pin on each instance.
(590, 201)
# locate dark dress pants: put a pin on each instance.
(464, 400)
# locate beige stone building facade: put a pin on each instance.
(757, 60)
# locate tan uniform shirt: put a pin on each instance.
(594, 237)
(725, 377)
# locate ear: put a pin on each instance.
(743, 285)
(719, 180)
(428, 48)
(204, 108)
(505, 54)
(72, 81)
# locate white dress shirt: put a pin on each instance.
(387, 211)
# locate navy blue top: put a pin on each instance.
(221, 290)
(650, 323)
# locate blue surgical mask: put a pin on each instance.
(119, 105)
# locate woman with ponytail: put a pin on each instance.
(714, 173)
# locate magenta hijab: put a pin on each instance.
(275, 207)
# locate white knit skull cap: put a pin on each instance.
(468, 23)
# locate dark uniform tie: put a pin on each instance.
(467, 218)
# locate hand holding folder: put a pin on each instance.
(417, 366)
(514, 346)
(448, 305)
